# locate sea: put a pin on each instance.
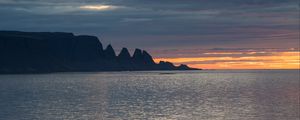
(152, 95)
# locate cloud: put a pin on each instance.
(98, 7)
(136, 19)
(219, 52)
(63, 9)
(160, 24)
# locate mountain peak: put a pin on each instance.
(124, 54)
(137, 55)
(148, 58)
(109, 52)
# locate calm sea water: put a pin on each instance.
(157, 95)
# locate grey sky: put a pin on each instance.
(162, 24)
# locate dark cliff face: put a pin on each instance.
(87, 48)
(35, 52)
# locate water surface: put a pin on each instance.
(162, 95)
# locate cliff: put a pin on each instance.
(43, 52)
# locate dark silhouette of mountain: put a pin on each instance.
(43, 52)
(109, 52)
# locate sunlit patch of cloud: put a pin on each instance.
(98, 7)
(62, 8)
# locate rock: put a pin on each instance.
(124, 55)
(166, 66)
(148, 58)
(44, 52)
(138, 57)
(109, 52)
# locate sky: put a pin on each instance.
(209, 34)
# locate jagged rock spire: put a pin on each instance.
(137, 53)
(138, 56)
(109, 52)
(124, 54)
(147, 58)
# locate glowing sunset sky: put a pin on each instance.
(210, 34)
(241, 60)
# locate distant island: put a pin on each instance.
(46, 52)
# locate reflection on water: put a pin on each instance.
(207, 95)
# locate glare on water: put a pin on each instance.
(166, 95)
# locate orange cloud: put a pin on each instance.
(277, 60)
